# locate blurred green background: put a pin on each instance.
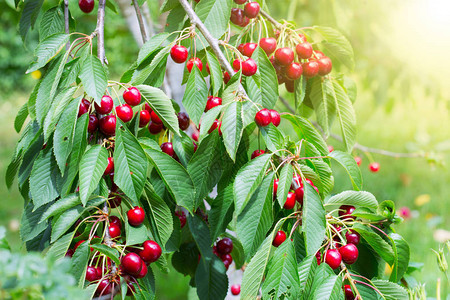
(402, 68)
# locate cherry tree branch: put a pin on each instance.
(277, 24)
(101, 32)
(141, 21)
(66, 21)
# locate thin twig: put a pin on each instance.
(66, 21)
(141, 21)
(101, 31)
(277, 24)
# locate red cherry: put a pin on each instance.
(144, 118)
(237, 16)
(304, 50)
(132, 263)
(325, 66)
(310, 68)
(263, 117)
(216, 124)
(132, 96)
(290, 201)
(155, 128)
(280, 237)
(91, 274)
(195, 146)
(93, 123)
(374, 167)
(195, 136)
(69, 253)
(181, 216)
(275, 117)
(240, 1)
(110, 167)
(116, 221)
(245, 22)
(346, 211)
(348, 292)
(302, 37)
(284, 56)
(168, 148)
(294, 71)
(179, 54)
(299, 195)
(143, 271)
(358, 160)
(240, 48)
(147, 108)
(151, 252)
(131, 289)
(106, 105)
(183, 120)
(249, 67)
(333, 258)
(227, 260)
(226, 77)
(104, 287)
(249, 48)
(236, 65)
(257, 153)
(269, 45)
(330, 148)
(318, 258)
(349, 253)
(115, 202)
(108, 124)
(251, 9)
(352, 237)
(78, 244)
(136, 216)
(319, 54)
(114, 231)
(289, 84)
(86, 6)
(155, 118)
(124, 112)
(224, 246)
(195, 61)
(275, 186)
(213, 102)
(207, 68)
(84, 107)
(235, 288)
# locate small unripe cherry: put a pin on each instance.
(106, 105)
(263, 117)
(155, 128)
(86, 6)
(349, 253)
(108, 124)
(179, 54)
(144, 118)
(352, 237)
(257, 153)
(213, 102)
(224, 246)
(235, 289)
(304, 50)
(109, 167)
(151, 252)
(249, 48)
(237, 16)
(124, 112)
(183, 120)
(249, 67)
(269, 45)
(251, 9)
(310, 68)
(93, 123)
(284, 56)
(294, 71)
(290, 201)
(195, 61)
(374, 167)
(280, 237)
(325, 66)
(333, 258)
(358, 160)
(136, 216)
(168, 149)
(114, 231)
(132, 96)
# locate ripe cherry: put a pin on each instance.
(236, 65)
(348, 292)
(86, 6)
(227, 259)
(106, 105)
(304, 50)
(318, 258)
(333, 258)
(346, 211)
(349, 253)
(249, 67)
(136, 216)
(144, 118)
(195, 61)
(249, 48)
(147, 108)
(109, 167)
(93, 123)
(226, 77)
(284, 56)
(280, 237)
(168, 149)
(290, 87)
(182, 217)
(91, 274)
(269, 45)
(212, 102)
(115, 220)
(290, 201)
(251, 9)
(143, 271)
(124, 112)
(275, 186)
(257, 153)
(294, 71)
(352, 237)
(263, 117)
(358, 160)
(310, 68)
(235, 289)
(374, 167)
(237, 16)
(240, 1)
(319, 54)
(155, 128)
(224, 246)
(195, 135)
(151, 252)
(114, 231)
(84, 107)
(104, 287)
(132, 263)
(216, 124)
(183, 120)
(325, 66)
(245, 22)
(69, 253)
(179, 54)
(132, 96)
(299, 195)
(155, 118)
(108, 124)
(275, 117)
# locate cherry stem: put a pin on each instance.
(140, 21)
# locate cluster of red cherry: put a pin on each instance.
(223, 250)
(241, 17)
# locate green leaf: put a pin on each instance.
(350, 166)
(299, 91)
(171, 172)
(61, 224)
(194, 99)
(61, 205)
(22, 115)
(282, 276)
(314, 223)
(248, 179)
(183, 146)
(284, 183)
(61, 101)
(256, 218)
(354, 198)
(52, 22)
(329, 287)
(319, 172)
(368, 214)
(378, 244)
(59, 249)
(324, 104)
(136, 234)
(153, 44)
(168, 5)
(92, 166)
(161, 105)
(94, 78)
(390, 290)
(29, 225)
(401, 256)
(108, 251)
(254, 271)
(306, 270)
(47, 50)
(273, 137)
(29, 15)
(215, 71)
(152, 71)
(220, 213)
(232, 127)
(208, 119)
(130, 165)
(79, 262)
